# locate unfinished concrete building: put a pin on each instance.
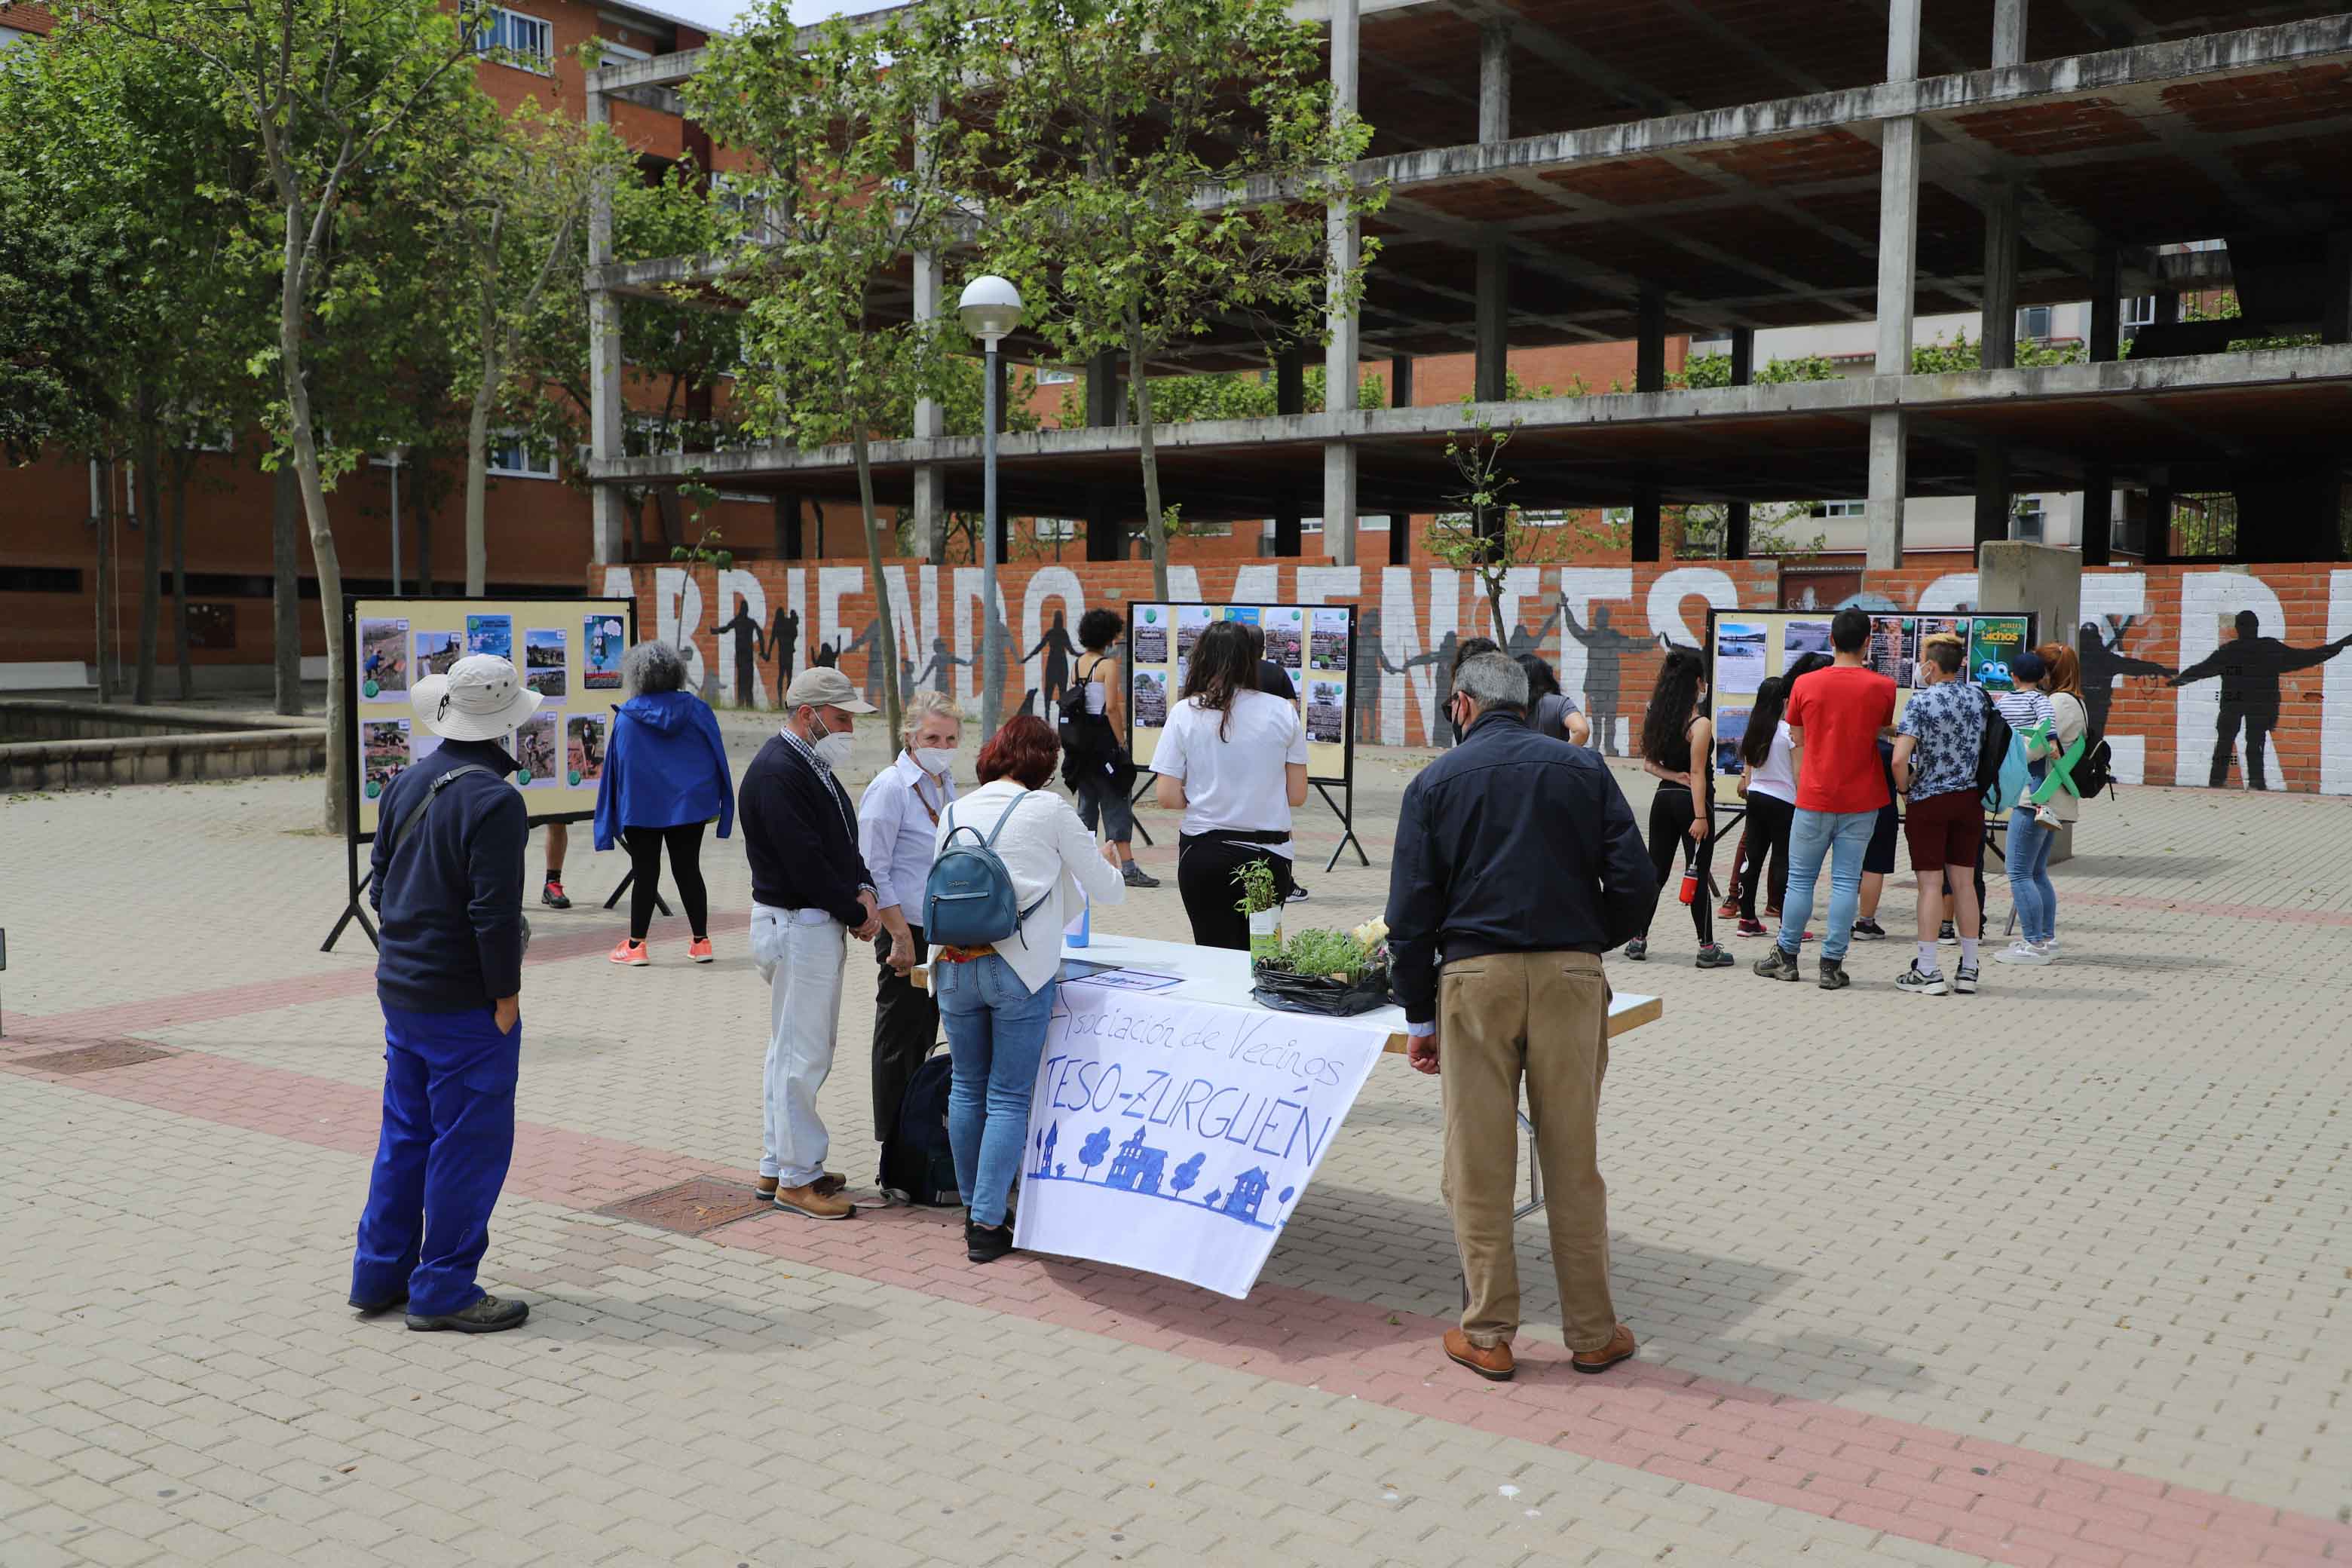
(1585, 171)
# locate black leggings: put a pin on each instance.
(1204, 878)
(645, 846)
(1671, 816)
(1769, 818)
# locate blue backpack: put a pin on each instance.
(968, 900)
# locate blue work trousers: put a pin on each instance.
(448, 1135)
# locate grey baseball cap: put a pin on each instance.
(826, 686)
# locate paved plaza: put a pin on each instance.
(2058, 1273)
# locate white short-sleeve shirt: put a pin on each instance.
(1235, 781)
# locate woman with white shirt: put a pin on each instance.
(2054, 674)
(1767, 782)
(898, 825)
(1233, 759)
(996, 1000)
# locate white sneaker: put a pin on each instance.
(2025, 952)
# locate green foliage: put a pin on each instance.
(1963, 353)
(1228, 395)
(1328, 955)
(1772, 529)
(1255, 881)
(707, 551)
(1701, 371)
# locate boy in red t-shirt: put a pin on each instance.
(1834, 718)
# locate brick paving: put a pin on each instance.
(2052, 1274)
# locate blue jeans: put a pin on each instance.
(448, 1135)
(2029, 875)
(1842, 838)
(996, 1032)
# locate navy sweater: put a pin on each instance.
(800, 834)
(451, 898)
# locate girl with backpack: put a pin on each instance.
(2054, 670)
(1678, 749)
(1095, 762)
(996, 997)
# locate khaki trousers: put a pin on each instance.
(1543, 1017)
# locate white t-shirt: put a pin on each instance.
(1776, 775)
(1237, 781)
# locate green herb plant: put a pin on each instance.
(1256, 882)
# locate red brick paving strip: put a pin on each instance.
(2012, 1505)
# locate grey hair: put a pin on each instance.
(1491, 680)
(924, 705)
(652, 665)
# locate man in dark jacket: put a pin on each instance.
(447, 878)
(810, 890)
(1517, 865)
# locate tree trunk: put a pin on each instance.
(423, 506)
(478, 479)
(104, 522)
(151, 542)
(181, 470)
(1155, 527)
(886, 645)
(285, 596)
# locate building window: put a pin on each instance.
(513, 38)
(1049, 376)
(1839, 509)
(1054, 530)
(11, 36)
(513, 458)
(2033, 322)
(2029, 519)
(2140, 310)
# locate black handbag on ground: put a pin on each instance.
(918, 1163)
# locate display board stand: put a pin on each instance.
(627, 878)
(353, 908)
(1347, 825)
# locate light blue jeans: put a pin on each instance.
(1842, 838)
(2029, 875)
(996, 1032)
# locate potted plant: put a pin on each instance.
(1263, 905)
(1334, 972)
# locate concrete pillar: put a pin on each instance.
(1738, 515)
(1341, 352)
(1490, 374)
(2336, 302)
(1743, 356)
(2008, 33)
(1898, 258)
(2156, 535)
(1646, 518)
(1400, 382)
(1992, 490)
(2106, 307)
(1650, 342)
(931, 423)
(1495, 81)
(1105, 406)
(1997, 330)
(604, 407)
(2098, 515)
(1106, 532)
(1290, 382)
(1889, 476)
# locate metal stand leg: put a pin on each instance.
(1142, 783)
(1347, 833)
(352, 910)
(626, 879)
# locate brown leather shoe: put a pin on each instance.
(1493, 1362)
(814, 1204)
(1620, 1346)
(767, 1188)
(830, 1183)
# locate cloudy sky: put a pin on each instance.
(720, 12)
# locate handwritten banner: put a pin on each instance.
(1177, 1137)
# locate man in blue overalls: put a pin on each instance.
(447, 881)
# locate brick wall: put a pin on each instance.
(1600, 625)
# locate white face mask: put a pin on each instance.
(935, 759)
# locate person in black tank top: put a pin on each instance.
(1678, 750)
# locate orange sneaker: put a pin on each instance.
(700, 950)
(630, 953)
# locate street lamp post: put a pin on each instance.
(991, 308)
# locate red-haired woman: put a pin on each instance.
(995, 1000)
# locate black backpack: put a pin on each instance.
(1085, 736)
(2095, 773)
(1994, 751)
(916, 1158)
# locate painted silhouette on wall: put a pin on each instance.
(747, 638)
(2102, 662)
(1442, 656)
(827, 658)
(1524, 641)
(2249, 666)
(1604, 651)
(1058, 650)
(867, 640)
(937, 672)
(782, 643)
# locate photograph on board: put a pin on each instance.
(1329, 648)
(1804, 637)
(1150, 699)
(1246, 614)
(1151, 635)
(383, 751)
(1192, 620)
(1740, 648)
(534, 753)
(383, 659)
(1327, 712)
(1285, 638)
(1730, 731)
(583, 746)
(1894, 646)
(1943, 626)
(543, 661)
(491, 634)
(436, 651)
(1994, 641)
(602, 639)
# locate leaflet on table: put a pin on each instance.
(1177, 1137)
(1075, 971)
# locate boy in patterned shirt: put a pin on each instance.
(1936, 748)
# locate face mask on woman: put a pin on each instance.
(935, 759)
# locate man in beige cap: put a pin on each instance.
(810, 891)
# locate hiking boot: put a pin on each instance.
(1964, 980)
(1834, 974)
(832, 1182)
(814, 1204)
(1777, 964)
(1620, 1346)
(1928, 984)
(552, 895)
(1869, 930)
(487, 1315)
(1753, 928)
(986, 1243)
(1713, 957)
(1637, 949)
(1493, 1362)
(1134, 877)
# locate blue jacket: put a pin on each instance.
(451, 898)
(665, 766)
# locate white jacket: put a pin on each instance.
(1049, 853)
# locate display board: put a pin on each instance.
(1746, 648)
(566, 649)
(1314, 644)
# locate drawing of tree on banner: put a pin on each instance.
(1092, 1152)
(1186, 1175)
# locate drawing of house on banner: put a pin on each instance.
(1045, 1141)
(1249, 1189)
(1137, 1169)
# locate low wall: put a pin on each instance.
(1604, 627)
(31, 719)
(84, 745)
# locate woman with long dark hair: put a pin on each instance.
(1233, 759)
(1769, 784)
(1678, 750)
